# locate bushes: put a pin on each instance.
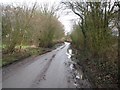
(22, 25)
(93, 38)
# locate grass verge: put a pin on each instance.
(8, 59)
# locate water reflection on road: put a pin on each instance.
(69, 53)
(78, 77)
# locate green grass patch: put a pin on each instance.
(10, 58)
(19, 55)
(25, 52)
(23, 46)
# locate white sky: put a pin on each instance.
(66, 20)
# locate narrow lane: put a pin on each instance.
(46, 71)
(55, 77)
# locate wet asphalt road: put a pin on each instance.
(45, 71)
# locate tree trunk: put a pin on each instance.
(119, 45)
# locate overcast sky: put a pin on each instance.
(66, 20)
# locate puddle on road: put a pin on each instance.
(77, 77)
(71, 66)
(69, 53)
(75, 84)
